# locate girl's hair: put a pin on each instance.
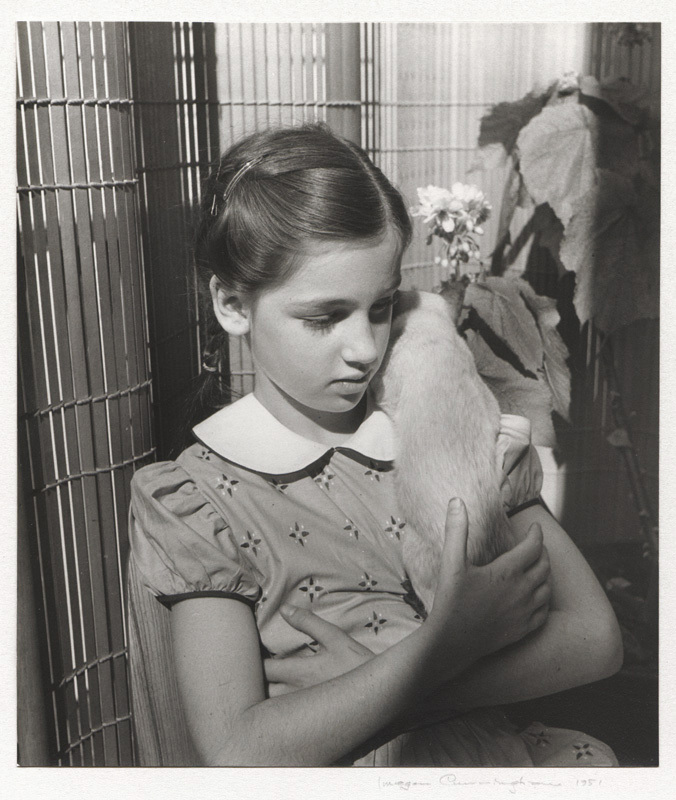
(276, 193)
(274, 196)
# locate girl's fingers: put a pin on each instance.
(274, 670)
(283, 670)
(277, 689)
(542, 595)
(538, 618)
(456, 531)
(525, 553)
(327, 634)
(540, 571)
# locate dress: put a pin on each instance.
(257, 513)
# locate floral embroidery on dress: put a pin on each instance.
(225, 484)
(298, 534)
(583, 751)
(204, 454)
(375, 623)
(324, 478)
(311, 588)
(540, 738)
(352, 529)
(373, 474)
(278, 485)
(251, 543)
(368, 582)
(395, 527)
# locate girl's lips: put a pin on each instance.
(361, 379)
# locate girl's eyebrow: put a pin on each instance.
(330, 303)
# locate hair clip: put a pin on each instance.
(208, 367)
(237, 177)
(214, 210)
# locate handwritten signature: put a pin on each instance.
(451, 779)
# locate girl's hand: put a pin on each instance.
(338, 653)
(488, 607)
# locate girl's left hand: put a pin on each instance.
(338, 653)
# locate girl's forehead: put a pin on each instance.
(341, 264)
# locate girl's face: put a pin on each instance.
(318, 339)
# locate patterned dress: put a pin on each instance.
(259, 514)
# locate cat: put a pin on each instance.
(446, 422)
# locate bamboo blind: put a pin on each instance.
(284, 74)
(431, 85)
(176, 120)
(425, 88)
(84, 381)
(116, 125)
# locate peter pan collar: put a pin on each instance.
(246, 433)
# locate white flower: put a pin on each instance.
(433, 201)
(569, 82)
(454, 216)
(447, 223)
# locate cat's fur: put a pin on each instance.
(446, 421)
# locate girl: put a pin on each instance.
(276, 538)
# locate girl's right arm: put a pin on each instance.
(221, 679)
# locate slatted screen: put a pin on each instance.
(84, 378)
(117, 124)
(611, 494)
(284, 74)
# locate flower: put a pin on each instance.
(569, 82)
(455, 216)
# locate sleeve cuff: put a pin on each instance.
(169, 600)
(536, 501)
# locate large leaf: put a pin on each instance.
(612, 243)
(627, 100)
(549, 232)
(491, 156)
(558, 156)
(500, 306)
(504, 121)
(555, 351)
(515, 393)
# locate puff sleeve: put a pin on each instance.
(521, 469)
(179, 542)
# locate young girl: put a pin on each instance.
(276, 538)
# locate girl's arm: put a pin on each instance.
(221, 680)
(579, 643)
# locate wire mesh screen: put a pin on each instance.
(117, 124)
(431, 84)
(425, 89)
(284, 74)
(176, 120)
(84, 388)
(611, 493)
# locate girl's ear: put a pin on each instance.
(231, 311)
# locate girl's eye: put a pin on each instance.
(320, 323)
(383, 306)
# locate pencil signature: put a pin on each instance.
(452, 779)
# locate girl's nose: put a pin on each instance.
(360, 346)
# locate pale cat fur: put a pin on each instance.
(446, 422)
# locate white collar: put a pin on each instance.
(246, 433)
